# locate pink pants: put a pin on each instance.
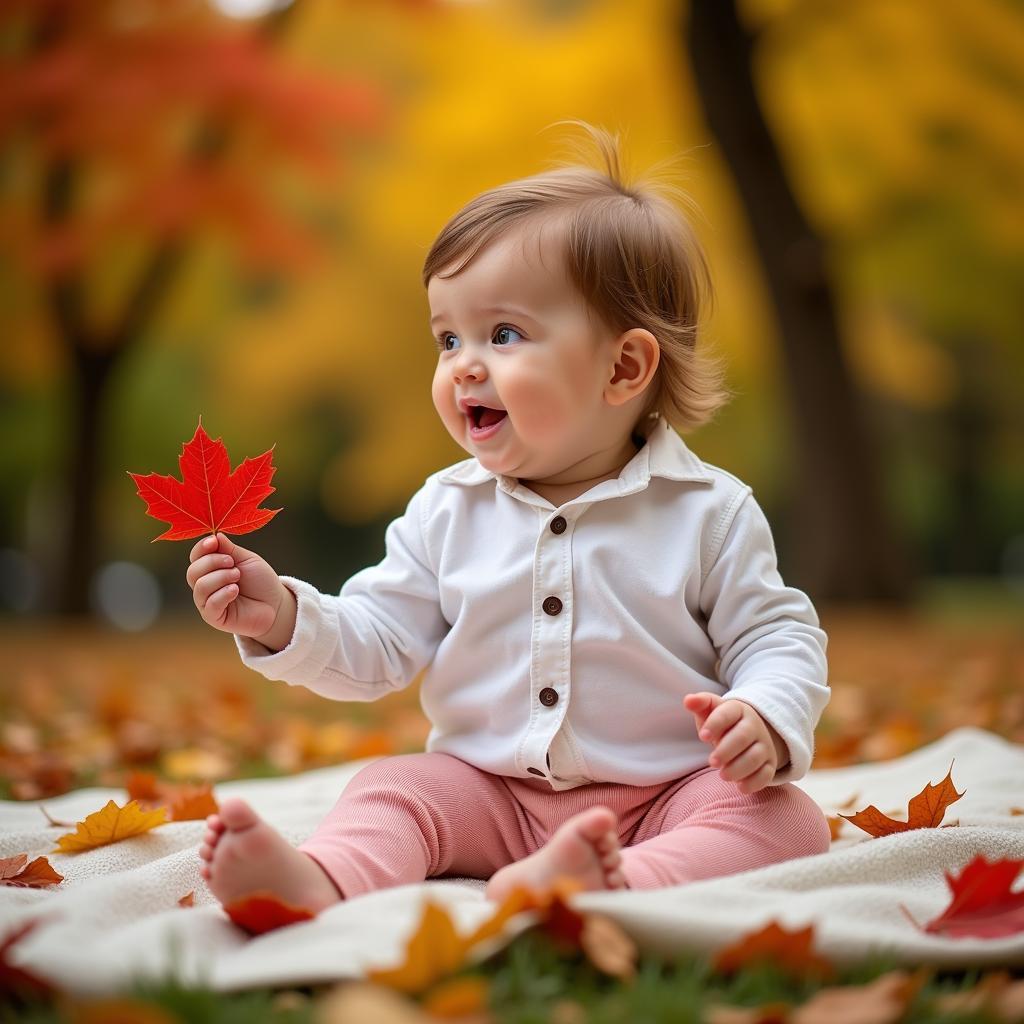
(410, 817)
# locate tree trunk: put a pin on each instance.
(91, 378)
(840, 539)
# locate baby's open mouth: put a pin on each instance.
(483, 417)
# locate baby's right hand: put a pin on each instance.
(234, 589)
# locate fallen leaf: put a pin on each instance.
(209, 498)
(882, 1001)
(458, 997)
(788, 950)
(979, 999)
(119, 1011)
(16, 983)
(925, 810)
(357, 1001)
(608, 947)
(110, 825)
(982, 905)
(769, 1013)
(261, 912)
(433, 951)
(188, 900)
(184, 802)
(37, 875)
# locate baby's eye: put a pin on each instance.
(442, 342)
(505, 330)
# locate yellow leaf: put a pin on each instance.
(434, 951)
(110, 825)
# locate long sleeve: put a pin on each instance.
(770, 647)
(376, 635)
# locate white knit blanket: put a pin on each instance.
(116, 915)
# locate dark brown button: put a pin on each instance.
(552, 605)
(548, 697)
(536, 771)
(558, 524)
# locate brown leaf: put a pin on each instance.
(185, 802)
(360, 1001)
(789, 951)
(883, 1001)
(188, 900)
(36, 875)
(16, 983)
(769, 1013)
(608, 947)
(925, 810)
(111, 824)
(119, 1011)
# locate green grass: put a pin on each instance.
(533, 981)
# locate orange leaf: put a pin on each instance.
(982, 905)
(434, 951)
(209, 498)
(790, 951)
(608, 947)
(37, 875)
(120, 1011)
(458, 997)
(262, 911)
(184, 802)
(188, 900)
(925, 810)
(110, 825)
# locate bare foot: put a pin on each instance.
(244, 854)
(585, 848)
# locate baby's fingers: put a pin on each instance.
(203, 546)
(213, 583)
(216, 607)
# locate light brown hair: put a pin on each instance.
(629, 251)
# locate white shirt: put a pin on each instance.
(559, 643)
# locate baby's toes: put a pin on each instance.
(214, 823)
(206, 851)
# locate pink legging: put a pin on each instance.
(409, 817)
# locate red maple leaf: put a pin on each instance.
(262, 911)
(209, 498)
(982, 905)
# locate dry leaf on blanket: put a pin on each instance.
(789, 951)
(184, 802)
(188, 900)
(262, 911)
(37, 875)
(882, 1001)
(110, 825)
(17, 984)
(433, 952)
(925, 810)
(982, 906)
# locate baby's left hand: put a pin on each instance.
(748, 747)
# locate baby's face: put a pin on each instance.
(514, 335)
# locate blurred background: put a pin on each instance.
(221, 209)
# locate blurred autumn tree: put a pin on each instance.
(126, 130)
(848, 547)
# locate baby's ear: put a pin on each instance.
(636, 356)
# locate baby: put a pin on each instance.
(621, 688)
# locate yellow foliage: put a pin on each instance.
(111, 824)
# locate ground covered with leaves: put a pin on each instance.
(169, 714)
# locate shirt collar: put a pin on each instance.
(664, 455)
